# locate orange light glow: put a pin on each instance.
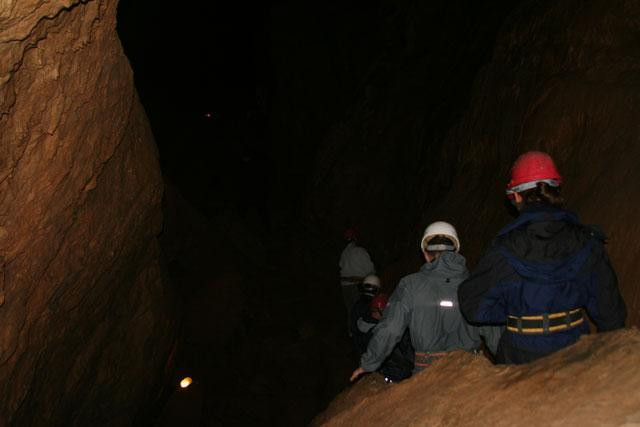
(186, 382)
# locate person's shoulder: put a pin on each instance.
(594, 232)
(346, 250)
(594, 238)
(587, 235)
(512, 240)
(411, 277)
(412, 280)
(353, 248)
(360, 249)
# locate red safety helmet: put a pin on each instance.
(349, 234)
(531, 168)
(379, 302)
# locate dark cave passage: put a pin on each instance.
(255, 92)
(258, 330)
(175, 182)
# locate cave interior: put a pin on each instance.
(225, 146)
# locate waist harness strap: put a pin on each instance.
(545, 323)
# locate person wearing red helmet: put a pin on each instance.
(355, 264)
(530, 170)
(542, 272)
(369, 289)
(364, 324)
(399, 364)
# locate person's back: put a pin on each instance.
(355, 263)
(426, 303)
(543, 269)
(429, 300)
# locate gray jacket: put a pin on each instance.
(427, 303)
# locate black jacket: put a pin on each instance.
(543, 262)
(359, 336)
(399, 365)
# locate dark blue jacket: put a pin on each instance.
(543, 262)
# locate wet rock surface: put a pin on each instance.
(87, 317)
(592, 383)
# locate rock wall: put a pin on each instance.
(563, 78)
(87, 319)
(594, 383)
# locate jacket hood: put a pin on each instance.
(449, 263)
(546, 229)
(545, 244)
(543, 220)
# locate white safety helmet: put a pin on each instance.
(440, 228)
(372, 279)
(370, 285)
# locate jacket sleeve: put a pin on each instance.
(605, 305)
(479, 296)
(492, 335)
(389, 331)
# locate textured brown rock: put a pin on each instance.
(592, 383)
(86, 321)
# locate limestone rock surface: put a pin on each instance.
(86, 320)
(593, 383)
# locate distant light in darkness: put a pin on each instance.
(186, 382)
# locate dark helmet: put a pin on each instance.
(349, 234)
